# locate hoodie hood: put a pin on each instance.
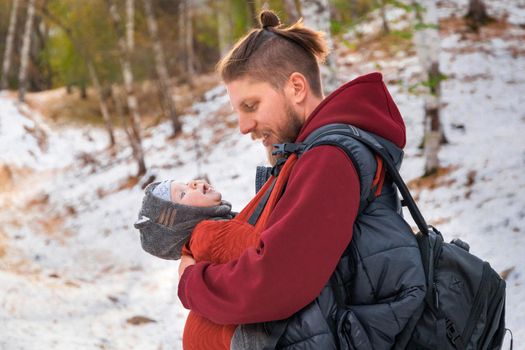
(363, 102)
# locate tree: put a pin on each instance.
(102, 102)
(130, 24)
(253, 13)
(426, 39)
(316, 15)
(83, 52)
(161, 68)
(382, 10)
(127, 75)
(477, 14)
(185, 38)
(293, 10)
(9, 45)
(22, 75)
(224, 26)
(188, 15)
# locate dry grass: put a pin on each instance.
(494, 29)
(6, 178)
(52, 225)
(128, 183)
(3, 244)
(139, 320)
(62, 107)
(505, 273)
(439, 179)
(381, 46)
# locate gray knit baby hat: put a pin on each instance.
(165, 226)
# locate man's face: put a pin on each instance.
(264, 112)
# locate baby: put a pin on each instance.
(193, 219)
(171, 210)
(174, 212)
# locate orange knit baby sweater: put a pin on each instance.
(223, 241)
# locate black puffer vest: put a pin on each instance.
(378, 283)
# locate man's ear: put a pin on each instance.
(298, 87)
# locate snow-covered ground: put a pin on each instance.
(73, 275)
(72, 272)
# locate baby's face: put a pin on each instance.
(197, 193)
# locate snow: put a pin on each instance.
(27, 142)
(72, 271)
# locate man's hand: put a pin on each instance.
(185, 261)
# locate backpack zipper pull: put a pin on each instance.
(436, 296)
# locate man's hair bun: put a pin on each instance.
(269, 19)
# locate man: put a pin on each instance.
(273, 81)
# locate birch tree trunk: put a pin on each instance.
(382, 9)
(185, 39)
(26, 44)
(181, 30)
(354, 9)
(9, 45)
(316, 15)
(293, 10)
(252, 11)
(130, 24)
(477, 14)
(427, 47)
(131, 99)
(102, 103)
(162, 70)
(120, 113)
(104, 110)
(189, 40)
(224, 27)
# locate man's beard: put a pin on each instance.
(288, 134)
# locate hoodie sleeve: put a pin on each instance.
(298, 251)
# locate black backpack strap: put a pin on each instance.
(372, 143)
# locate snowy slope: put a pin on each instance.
(27, 142)
(72, 271)
(73, 275)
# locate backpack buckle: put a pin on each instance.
(452, 332)
(287, 148)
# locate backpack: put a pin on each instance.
(464, 306)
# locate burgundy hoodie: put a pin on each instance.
(309, 228)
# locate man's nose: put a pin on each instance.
(246, 125)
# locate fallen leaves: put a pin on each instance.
(431, 182)
(6, 177)
(139, 320)
(505, 273)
